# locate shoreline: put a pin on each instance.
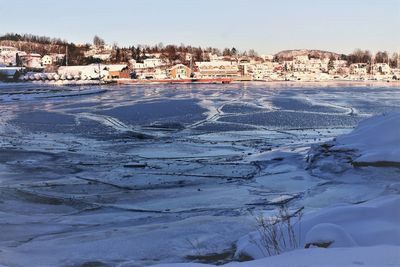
(329, 83)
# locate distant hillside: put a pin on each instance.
(43, 45)
(290, 54)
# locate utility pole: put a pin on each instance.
(66, 55)
(99, 73)
(371, 72)
(398, 60)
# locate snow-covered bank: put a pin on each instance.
(376, 256)
(376, 139)
(366, 234)
(372, 223)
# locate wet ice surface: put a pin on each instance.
(150, 174)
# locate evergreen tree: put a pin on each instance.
(331, 64)
(234, 51)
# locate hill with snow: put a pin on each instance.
(313, 53)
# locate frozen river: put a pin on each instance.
(138, 175)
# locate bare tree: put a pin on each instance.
(97, 41)
(252, 53)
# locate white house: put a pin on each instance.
(47, 60)
(137, 66)
(382, 68)
(301, 59)
(188, 56)
(262, 71)
(358, 69)
(267, 57)
(147, 63)
(152, 63)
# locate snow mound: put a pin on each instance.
(377, 139)
(372, 223)
(375, 256)
(329, 234)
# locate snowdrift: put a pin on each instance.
(366, 234)
(376, 139)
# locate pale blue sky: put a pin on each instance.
(267, 26)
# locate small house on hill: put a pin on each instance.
(47, 60)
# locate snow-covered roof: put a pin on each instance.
(31, 55)
(8, 48)
(85, 70)
(178, 66)
(214, 63)
(116, 67)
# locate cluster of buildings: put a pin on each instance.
(102, 53)
(264, 68)
(11, 56)
(16, 64)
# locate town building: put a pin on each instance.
(152, 63)
(382, 68)
(85, 72)
(147, 63)
(47, 60)
(32, 61)
(358, 69)
(263, 71)
(267, 57)
(118, 71)
(8, 55)
(218, 69)
(180, 71)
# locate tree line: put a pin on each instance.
(365, 56)
(32, 38)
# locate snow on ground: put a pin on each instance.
(376, 139)
(373, 223)
(374, 256)
(366, 234)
